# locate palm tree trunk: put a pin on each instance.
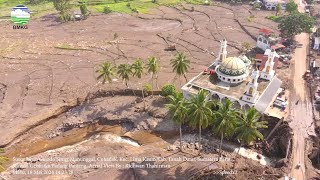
(144, 103)
(199, 138)
(157, 81)
(111, 87)
(180, 137)
(152, 84)
(180, 81)
(220, 148)
(185, 77)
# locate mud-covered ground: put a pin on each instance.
(127, 133)
(38, 79)
(34, 71)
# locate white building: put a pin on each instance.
(271, 4)
(233, 78)
(268, 72)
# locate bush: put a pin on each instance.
(134, 10)
(84, 9)
(274, 18)
(36, 1)
(168, 89)
(107, 10)
(65, 17)
(147, 87)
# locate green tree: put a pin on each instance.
(3, 159)
(177, 111)
(63, 6)
(153, 67)
(224, 121)
(105, 72)
(199, 112)
(36, 1)
(247, 126)
(180, 65)
(295, 23)
(83, 8)
(137, 71)
(291, 7)
(278, 9)
(168, 89)
(137, 68)
(124, 72)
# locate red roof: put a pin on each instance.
(265, 31)
(264, 59)
(260, 56)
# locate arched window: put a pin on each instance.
(250, 90)
(268, 69)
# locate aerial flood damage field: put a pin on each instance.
(52, 105)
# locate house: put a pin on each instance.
(267, 40)
(316, 43)
(271, 4)
(261, 60)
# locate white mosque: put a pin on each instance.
(235, 78)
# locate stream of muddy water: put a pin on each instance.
(26, 148)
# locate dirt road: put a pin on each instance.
(301, 113)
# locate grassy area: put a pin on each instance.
(274, 18)
(142, 6)
(68, 47)
(40, 9)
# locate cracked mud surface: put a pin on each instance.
(33, 71)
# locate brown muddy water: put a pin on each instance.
(26, 148)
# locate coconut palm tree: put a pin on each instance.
(106, 71)
(199, 112)
(3, 159)
(247, 126)
(177, 111)
(180, 65)
(137, 69)
(224, 121)
(124, 72)
(153, 67)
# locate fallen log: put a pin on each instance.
(44, 104)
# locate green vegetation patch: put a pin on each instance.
(69, 47)
(140, 6)
(275, 18)
(36, 9)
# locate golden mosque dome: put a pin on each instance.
(233, 66)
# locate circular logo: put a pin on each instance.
(20, 15)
